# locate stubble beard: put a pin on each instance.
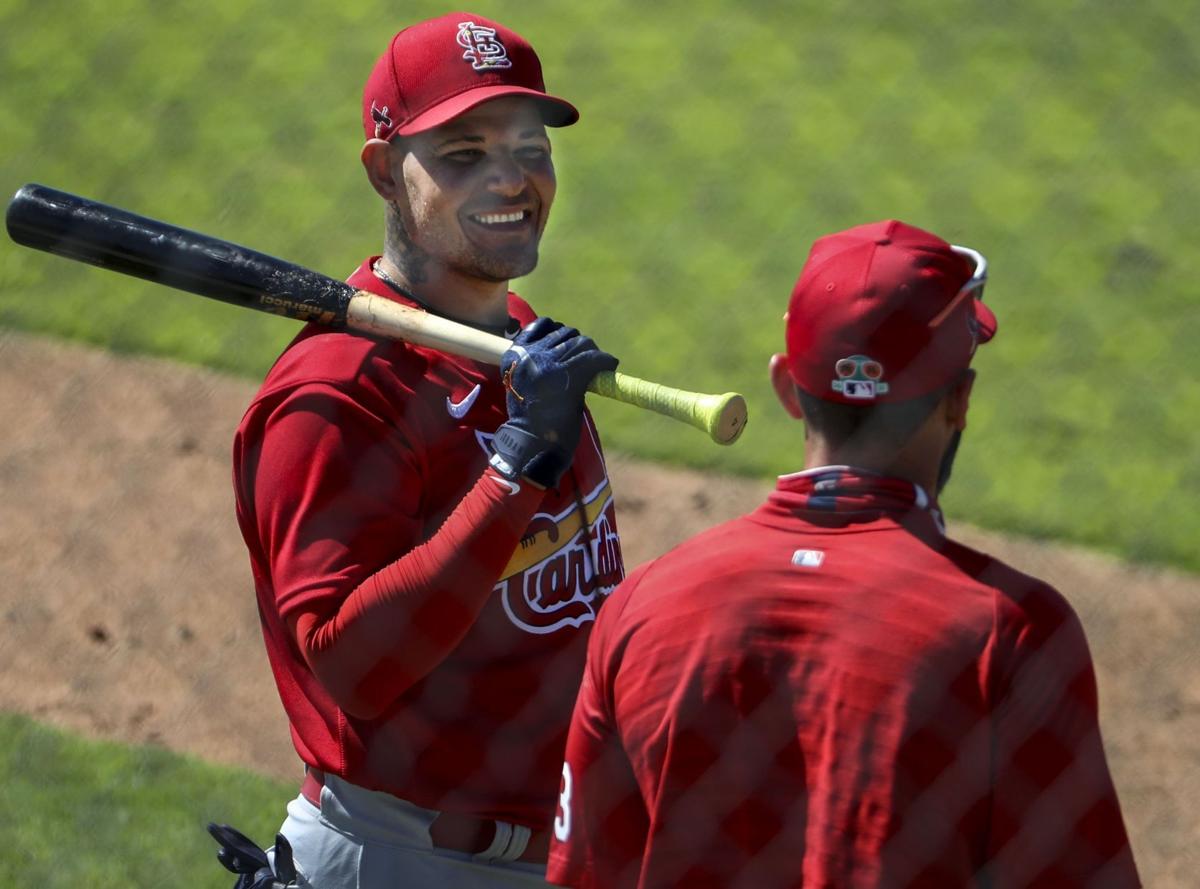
(946, 465)
(455, 252)
(498, 266)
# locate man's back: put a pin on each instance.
(828, 692)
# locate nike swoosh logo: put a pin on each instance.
(458, 410)
(513, 487)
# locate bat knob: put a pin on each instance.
(726, 418)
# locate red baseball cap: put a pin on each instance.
(435, 70)
(885, 312)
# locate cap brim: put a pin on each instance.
(986, 319)
(556, 112)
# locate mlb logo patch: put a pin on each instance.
(808, 558)
(863, 390)
(859, 377)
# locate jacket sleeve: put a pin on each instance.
(337, 498)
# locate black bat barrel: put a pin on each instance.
(87, 231)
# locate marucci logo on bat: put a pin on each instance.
(293, 309)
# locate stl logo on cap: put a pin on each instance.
(383, 120)
(859, 377)
(483, 49)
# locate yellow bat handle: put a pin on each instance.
(723, 417)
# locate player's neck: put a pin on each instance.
(910, 467)
(449, 292)
(919, 460)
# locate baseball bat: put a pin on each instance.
(98, 234)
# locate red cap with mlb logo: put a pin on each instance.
(885, 312)
(437, 69)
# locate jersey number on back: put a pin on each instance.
(562, 819)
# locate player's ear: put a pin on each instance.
(958, 400)
(785, 388)
(377, 158)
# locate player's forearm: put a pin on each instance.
(402, 621)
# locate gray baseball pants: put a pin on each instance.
(361, 839)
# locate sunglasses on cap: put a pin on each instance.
(979, 276)
(972, 288)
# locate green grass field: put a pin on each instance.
(717, 141)
(103, 816)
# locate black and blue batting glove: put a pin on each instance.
(546, 372)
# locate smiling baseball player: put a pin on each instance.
(830, 692)
(431, 536)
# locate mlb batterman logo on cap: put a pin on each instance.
(885, 312)
(435, 70)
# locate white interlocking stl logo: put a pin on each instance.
(483, 49)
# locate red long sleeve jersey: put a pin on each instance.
(829, 693)
(425, 620)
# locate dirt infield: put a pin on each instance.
(127, 610)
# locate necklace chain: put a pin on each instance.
(391, 282)
(509, 330)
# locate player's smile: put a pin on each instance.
(501, 221)
(480, 188)
(512, 220)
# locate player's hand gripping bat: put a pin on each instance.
(112, 238)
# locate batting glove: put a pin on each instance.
(546, 372)
(241, 856)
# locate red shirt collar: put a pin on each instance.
(846, 495)
(364, 278)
